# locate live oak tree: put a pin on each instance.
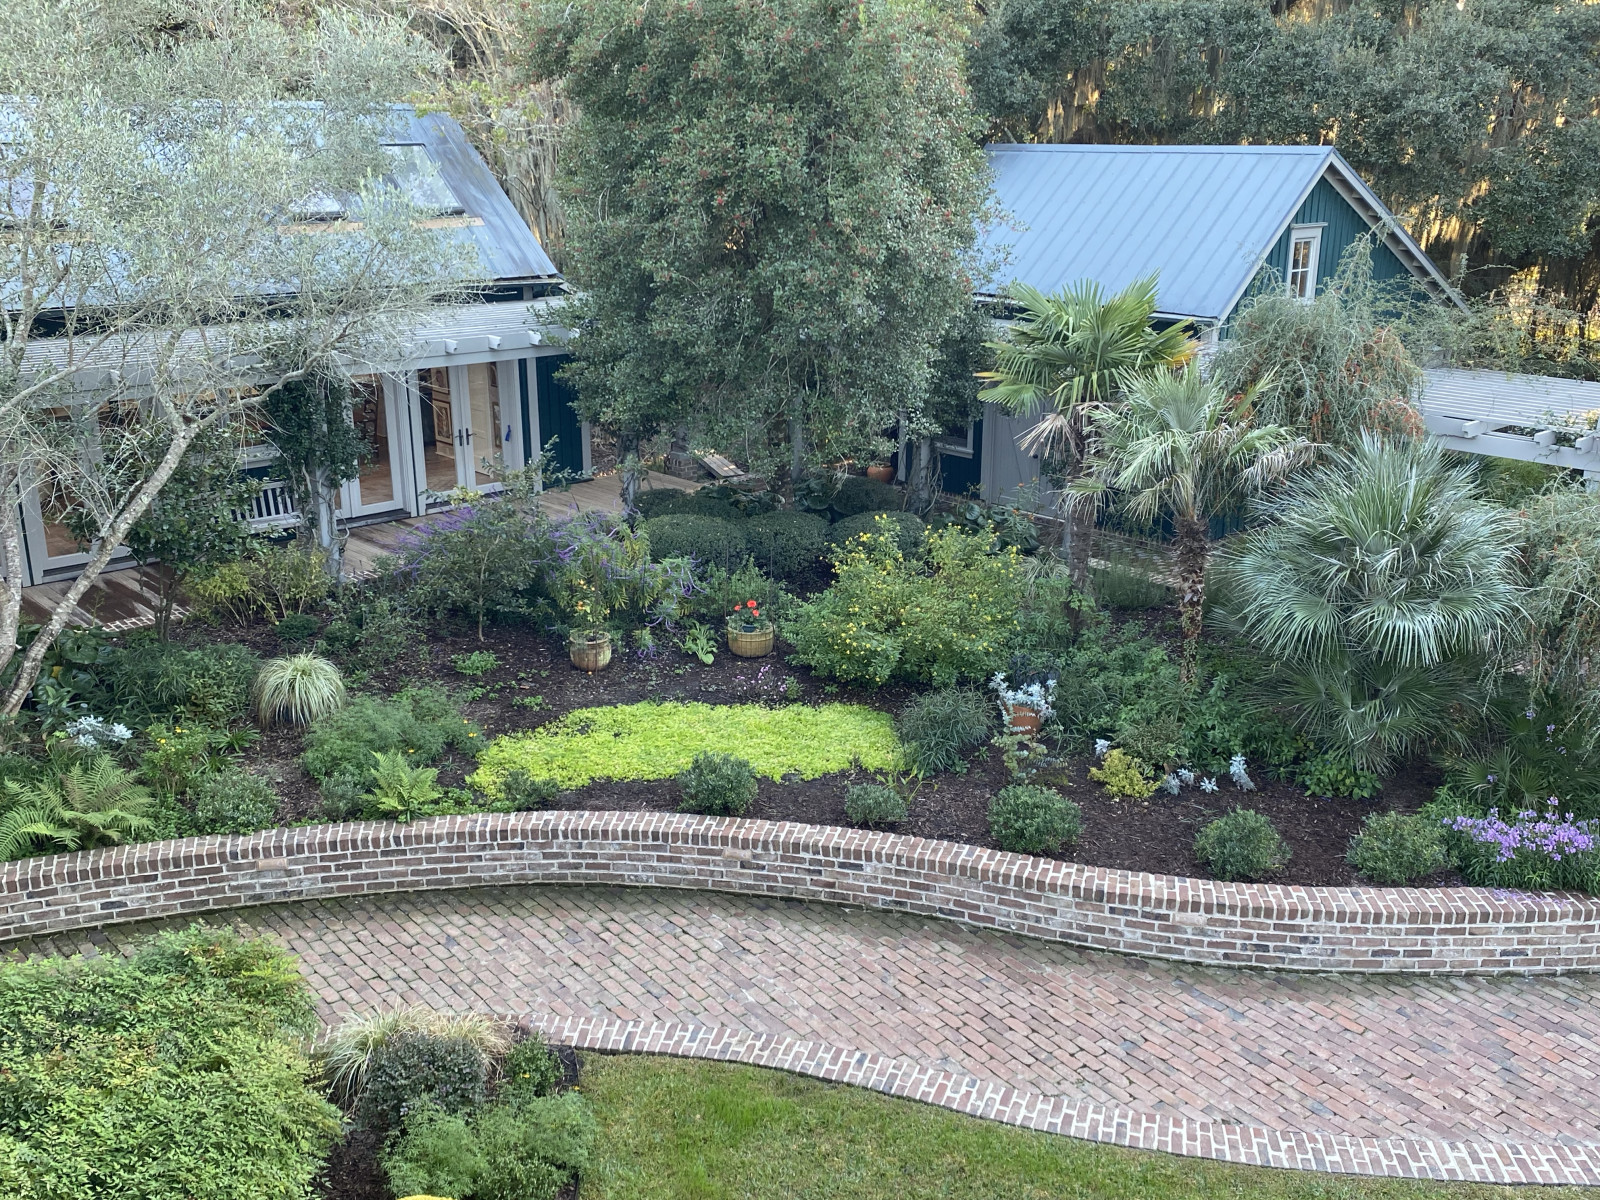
(770, 214)
(196, 211)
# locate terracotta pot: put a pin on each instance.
(1023, 719)
(882, 472)
(750, 643)
(590, 651)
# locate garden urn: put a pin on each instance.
(882, 472)
(590, 649)
(1022, 718)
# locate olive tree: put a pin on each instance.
(197, 211)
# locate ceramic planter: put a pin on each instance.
(882, 472)
(590, 651)
(1023, 719)
(753, 641)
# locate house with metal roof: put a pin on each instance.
(476, 383)
(1209, 222)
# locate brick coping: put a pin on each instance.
(1446, 930)
(1246, 1145)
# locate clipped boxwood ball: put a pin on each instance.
(710, 541)
(786, 545)
(908, 529)
(857, 494)
(658, 502)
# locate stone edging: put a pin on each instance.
(1450, 930)
(1481, 1162)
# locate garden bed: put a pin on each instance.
(1155, 835)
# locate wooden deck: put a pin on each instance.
(120, 602)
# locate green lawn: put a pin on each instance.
(687, 1130)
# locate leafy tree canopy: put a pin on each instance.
(770, 211)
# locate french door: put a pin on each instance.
(374, 411)
(465, 427)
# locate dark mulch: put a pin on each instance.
(1153, 835)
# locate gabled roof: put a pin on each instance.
(1203, 218)
(505, 243)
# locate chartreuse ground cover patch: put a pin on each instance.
(657, 741)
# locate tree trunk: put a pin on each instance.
(632, 471)
(797, 450)
(11, 561)
(1192, 548)
(110, 539)
(327, 501)
(922, 477)
(1077, 535)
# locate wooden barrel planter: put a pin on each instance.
(752, 641)
(590, 651)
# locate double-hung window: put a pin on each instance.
(1305, 247)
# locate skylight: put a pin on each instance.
(414, 172)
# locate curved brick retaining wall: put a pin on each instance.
(1455, 930)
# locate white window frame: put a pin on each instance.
(1309, 235)
(960, 447)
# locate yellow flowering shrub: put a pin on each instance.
(947, 614)
(657, 741)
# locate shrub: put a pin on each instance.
(717, 785)
(907, 530)
(1122, 776)
(479, 662)
(786, 545)
(858, 494)
(178, 757)
(418, 722)
(529, 1070)
(450, 1072)
(1242, 845)
(874, 805)
(234, 801)
(210, 684)
(436, 1154)
(532, 1150)
(603, 575)
(374, 632)
(657, 741)
(1396, 848)
(1026, 819)
(889, 617)
(175, 1072)
(521, 792)
(287, 578)
(1534, 750)
(659, 502)
(296, 627)
(343, 797)
(1128, 586)
(708, 540)
(296, 690)
(87, 805)
(721, 590)
(482, 562)
(349, 1050)
(402, 792)
(941, 726)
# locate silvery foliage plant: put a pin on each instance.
(96, 733)
(1038, 696)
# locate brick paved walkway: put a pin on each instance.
(1460, 1070)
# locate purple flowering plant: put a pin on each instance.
(1537, 848)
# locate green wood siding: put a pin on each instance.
(1342, 225)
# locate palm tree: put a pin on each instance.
(1067, 353)
(1183, 447)
(1380, 587)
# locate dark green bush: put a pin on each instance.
(939, 727)
(419, 722)
(532, 1150)
(178, 1071)
(529, 1070)
(909, 530)
(1026, 819)
(211, 683)
(786, 545)
(521, 792)
(1242, 845)
(373, 632)
(717, 785)
(233, 801)
(659, 502)
(710, 541)
(296, 627)
(857, 494)
(1334, 774)
(1397, 848)
(447, 1072)
(874, 805)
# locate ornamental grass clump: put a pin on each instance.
(1535, 849)
(941, 726)
(296, 690)
(349, 1050)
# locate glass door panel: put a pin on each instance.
(482, 427)
(374, 488)
(438, 429)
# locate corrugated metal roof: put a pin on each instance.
(505, 243)
(1201, 217)
(1496, 398)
